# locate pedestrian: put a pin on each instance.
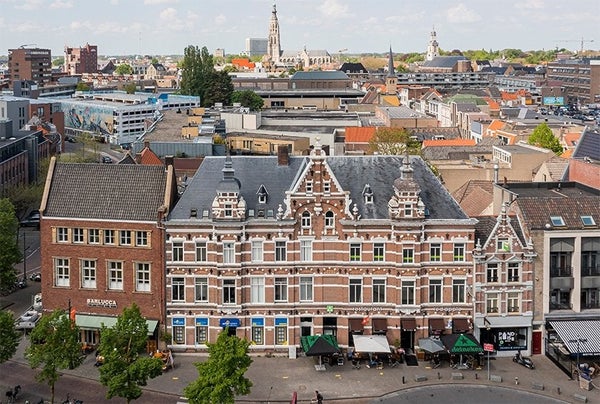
(319, 397)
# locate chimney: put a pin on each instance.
(282, 156)
(168, 161)
(496, 168)
(146, 144)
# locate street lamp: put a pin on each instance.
(578, 341)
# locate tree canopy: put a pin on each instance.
(126, 366)
(54, 345)
(249, 99)
(9, 248)
(9, 336)
(221, 376)
(124, 68)
(393, 141)
(542, 136)
(199, 77)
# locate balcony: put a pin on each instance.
(560, 306)
(591, 305)
(561, 272)
(593, 270)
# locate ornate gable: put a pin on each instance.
(406, 202)
(228, 204)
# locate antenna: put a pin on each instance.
(27, 44)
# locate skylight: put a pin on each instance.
(557, 221)
(588, 221)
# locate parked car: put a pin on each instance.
(36, 277)
(29, 315)
(32, 220)
(107, 160)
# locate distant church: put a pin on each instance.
(304, 58)
(433, 49)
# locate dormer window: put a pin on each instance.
(309, 186)
(408, 210)
(262, 194)
(368, 194)
(326, 186)
(503, 244)
(228, 209)
(262, 198)
(557, 221)
(588, 221)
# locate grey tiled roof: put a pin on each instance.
(106, 191)
(589, 145)
(444, 61)
(320, 75)
(353, 173)
(537, 211)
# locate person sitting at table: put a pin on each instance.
(372, 361)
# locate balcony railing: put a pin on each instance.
(590, 305)
(590, 270)
(561, 272)
(560, 306)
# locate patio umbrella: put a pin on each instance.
(461, 344)
(431, 345)
(318, 345)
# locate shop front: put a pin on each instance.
(232, 324)
(574, 346)
(507, 334)
(407, 335)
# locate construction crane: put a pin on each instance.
(582, 41)
(340, 54)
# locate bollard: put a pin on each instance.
(558, 390)
(516, 380)
(403, 380)
(439, 376)
(476, 376)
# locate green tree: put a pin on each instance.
(154, 60)
(126, 366)
(221, 376)
(9, 336)
(219, 88)
(59, 61)
(542, 136)
(54, 346)
(9, 248)
(248, 98)
(130, 88)
(393, 141)
(83, 86)
(124, 68)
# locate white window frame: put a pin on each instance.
(280, 292)
(458, 252)
(459, 288)
(329, 219)
(108, 236)
(177, 250)
(228, 252)
(408, 255)
(326, 187)
(257, 289)
(178, 289)
(306, 220)
(88, 273)
(201, 289)
(125, 237)
(503, 244)
(257, 250)
(62, 272)
(306, 250)
(78, 235)
(201, 251)
(492, 272)
(379, 288)
(378, 251)
(436, 290)
(280, 250)
(94, 236)
(62, 235)
(309, 186)
(513, 302)
(355, 251)
(433, 247)
(408, 292)
(115, 275)
(143, 273)
(492, 303)
(355, 290)
(229, 286)
(513, 272)
(306, 286)
(141, 238)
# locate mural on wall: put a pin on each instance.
(95, 119)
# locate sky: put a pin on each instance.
(166, 27)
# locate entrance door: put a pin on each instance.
(407, 339)
(536, 343)
(231, 331)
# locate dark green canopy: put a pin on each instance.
(461, 344)
(314, 345)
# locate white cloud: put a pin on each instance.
(220, 19)
(461, 14)
(334, 9)
(153, 2)
(169, 14)
(61, 4)
(30, 5)
(530, 4)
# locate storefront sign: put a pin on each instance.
(282, 321)
(229, 322)
(101, 303)
(511, 339)
(203, 322)
(488, 347)
(258, 322)
(178, 321)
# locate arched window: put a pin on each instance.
(306, 219)
(329, 219)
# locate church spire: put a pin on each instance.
(274, 44)
(433, 49)
(391, 71)
(391, 81)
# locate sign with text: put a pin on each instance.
(101, 303)
(488, 347)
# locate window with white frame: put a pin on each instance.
(513, 270)
(435, 252)
(281, 289)
(281, 332)
(257, 289)
(491, 303)
(257, 250)
(258, 331)
(201, 251)
(408, 255)
(142, 276)
(513, 300)
(306, 220)
(306, 289)
(94, 236)
(88, 274)
(435, 290)
(459, 252)
(408, 210)
(228, 252)
(78, 235)
(378, 252)
(115, 275)
(201, 289)
(458, 290)
(177, 250)
(355, 290)
(109, 236)
(503, 244)
(326, 187)
(309, 186)
(408, 292)
(61, 272)
(379, 290)
(125, 237)
(62, 235)
(280, 250)
(329, 219)
(305, 250)
(229, 291)
(492, 272)
(228, 210)
(355, 251)
(178, 289)
(201, 331)
(141, 238)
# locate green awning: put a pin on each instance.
(314, 345)
(91, 322)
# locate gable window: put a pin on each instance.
(61, 272)
(458, 290)
(355, 251)
(78, 235)
(368, 194)
(305, 221)
(435, 252)
(141, 238)
(201, 251)
(281, 289)
(201, 289)
(309, 186)
(306, 289)
(355, 290)
(503, 244)
(281, 250)
(257, 290)
(115, 275)
(228, 291)
(408, 292)
(305, 250)
(257, 251)
(88, 274)
(125, 237)
(378, 251)
(408, 255)
(329, 219)
(142, 277)
(178, 289)
(408, 211)
(109, 236)
(435, 291)
(228, 252)
(177, 251)
(378, 290)
(228, 210)
(62, 235)
(94, 236)
(557, 221)
(513, 269)
(492, 272)
(326, 187)
(459, 252)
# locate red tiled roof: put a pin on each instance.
(355, 134)
(148, 158)
(448, 142)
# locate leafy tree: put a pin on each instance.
(154, 60)
(248, 98)
(219, 88)
(126, 366)
(9, 248)
(393, 141)
(130, 88)
(221, 376)
(9, 336)
(54, 345)
(82, 86)
(542, 136)
(124, 68)
(59, 61)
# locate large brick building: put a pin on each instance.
(280, 247)
(81, 60)
(30, 64)
(103, 242)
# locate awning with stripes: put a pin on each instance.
(586, 332)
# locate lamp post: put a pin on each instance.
(24, 259)
(578, 341)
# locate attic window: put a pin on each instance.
(262, 198)
(588, 221)
(557, 221)
(368, 194)
(262, 194)
(205, 213)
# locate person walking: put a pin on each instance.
(319, 397)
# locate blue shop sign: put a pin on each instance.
(229, 322)
(203, 322)
(280, 322)
(178, 321)
(258, 322)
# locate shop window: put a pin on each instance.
(201, 331)
(258, 331)
(281, 333)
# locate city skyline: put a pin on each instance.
(165, 27)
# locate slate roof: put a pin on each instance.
(486, 225)
(433, 133)
(116, 192)
(588, 146)
(444, 61)
(320, 75)
(352, 172)
(353, 68)
(454, 152)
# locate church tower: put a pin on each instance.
(433, 49)
(274, 45)
(391, 81)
